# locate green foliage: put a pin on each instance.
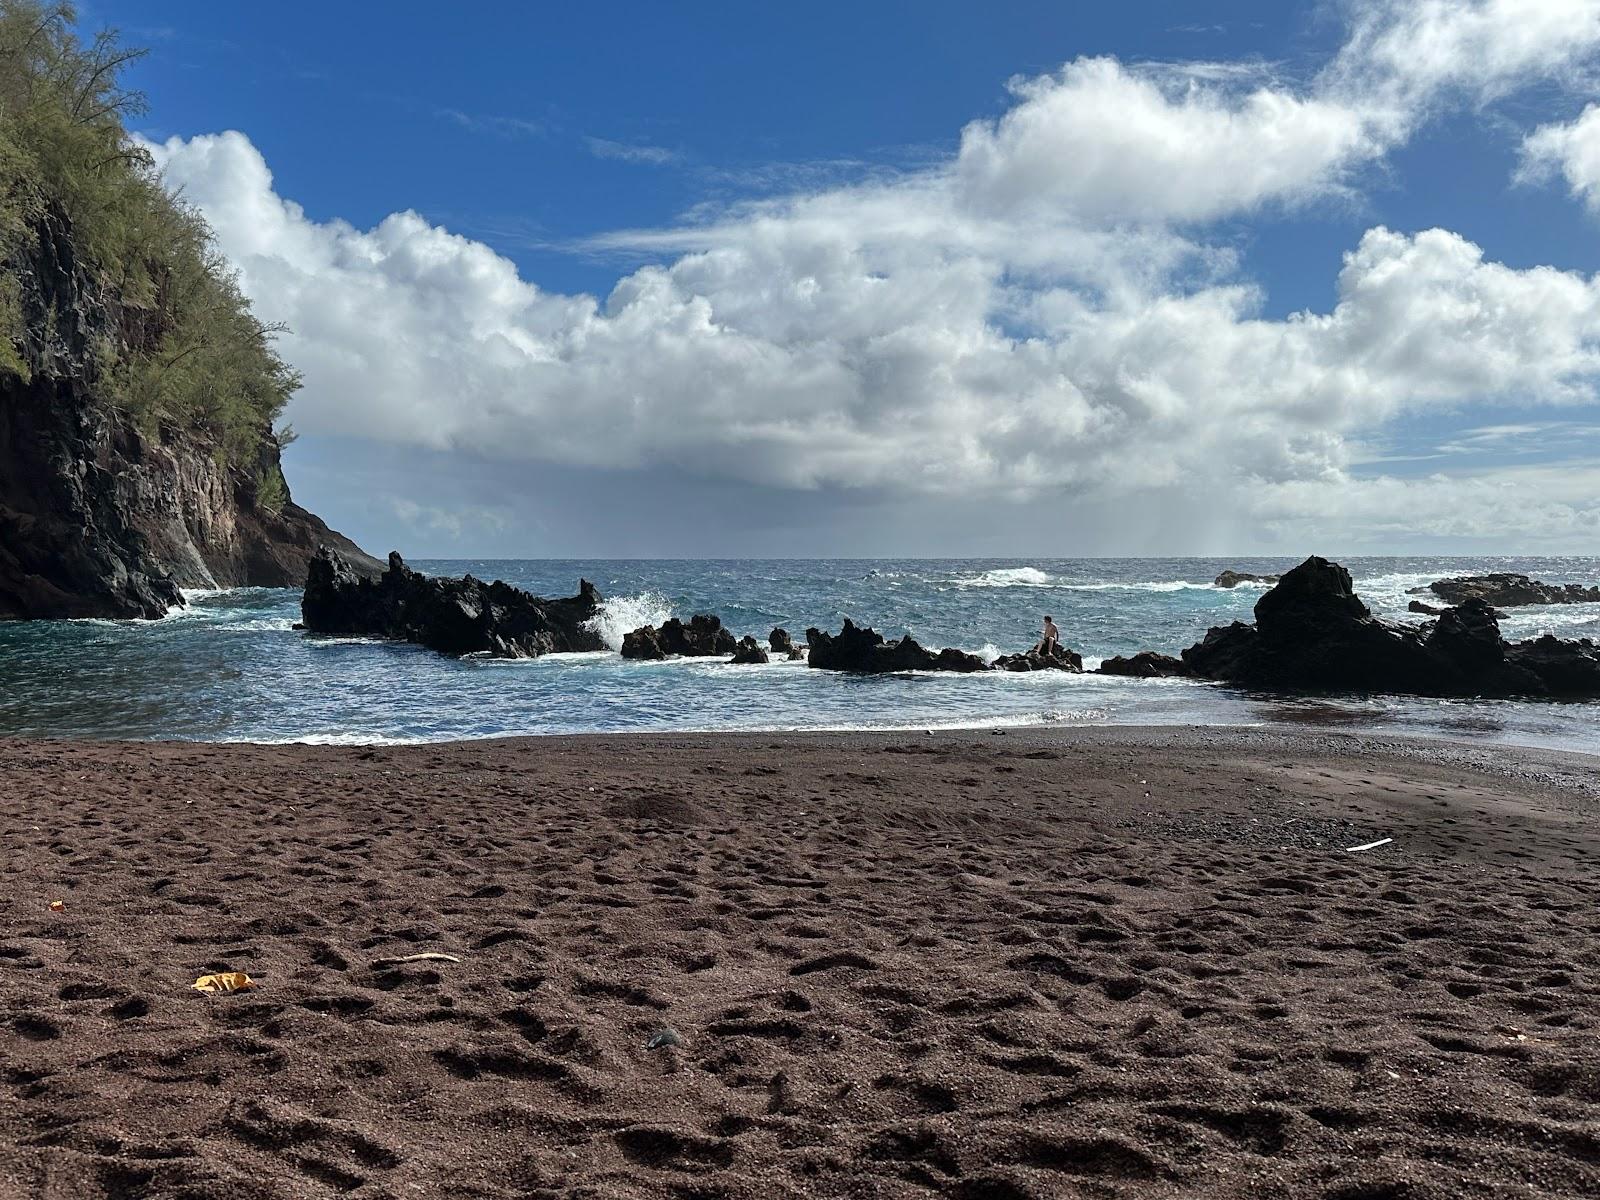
(272, 493)
(188, 350)
(10, 328)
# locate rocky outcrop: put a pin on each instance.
(749, 652)
(1032, 660)
(1567, 669)
(1232, 579)
(1313, 633)
(1427, 610)
(452, 616)
(855, 648)
(1506, 590)
(99, 518)
(1146, 664)
(702, 637)
(644, 644)
(781, 643)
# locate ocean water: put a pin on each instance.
(229, 667)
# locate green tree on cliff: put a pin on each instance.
(185, 349)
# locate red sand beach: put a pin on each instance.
(1104, 963)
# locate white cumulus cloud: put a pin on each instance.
(1040, 312)
(1570, 151)
(1105, 143)
(1403, 55)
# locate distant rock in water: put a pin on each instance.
(749, 652)
(782, 643)
(452, 616)
(1232, 579)
(1506, 590)
(1031, 660)
(1313, 633)
(855, 648)
(1433, 610)
(1146, 664)
(702, 637)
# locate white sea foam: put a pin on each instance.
(1007, 577)
(559, 658)
(1033, 577)
(343, 737)
(1392, 592)
(1049, 716)
(172, 614)
(261, 625)
(1163, 585)
(621, 615)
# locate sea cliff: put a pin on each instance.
(103, 515)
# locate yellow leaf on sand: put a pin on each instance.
(228, 981)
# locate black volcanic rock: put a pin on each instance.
(1031, 660)
(851, 649)
(856, 648)
(452, 616)
(1567, 669)
(1232, 579)
(948, 659)
(1312, 633)
(749, 652)
(1226, 652)
(1146, 664)
(782, 643)
(1434, 610)
(1507, 590)
(702, 637)
(1468, 636)
(643, 643)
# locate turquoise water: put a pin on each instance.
(229, 667)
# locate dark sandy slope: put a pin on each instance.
(989, 967)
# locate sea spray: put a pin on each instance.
(621, 615)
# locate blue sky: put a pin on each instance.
(732, 146)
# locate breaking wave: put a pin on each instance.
(621, 615)
(1007, 577)
(1033, 577)
(1167, 585)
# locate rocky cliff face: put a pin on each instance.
(100, 519)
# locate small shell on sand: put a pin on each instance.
(665, 1036)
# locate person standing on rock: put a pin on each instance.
(1050, 644)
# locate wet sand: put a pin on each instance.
(1038, 964)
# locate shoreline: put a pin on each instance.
(1572, 763)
